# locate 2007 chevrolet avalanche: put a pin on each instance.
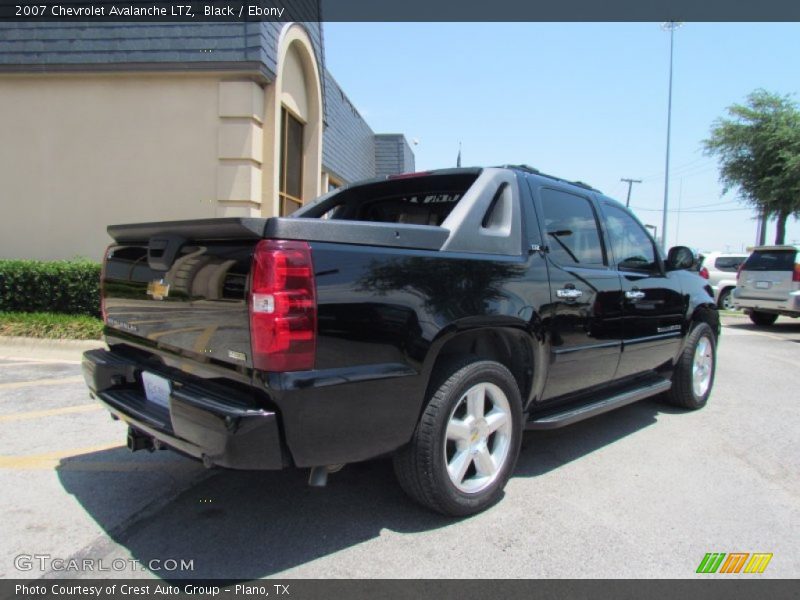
(429, 316)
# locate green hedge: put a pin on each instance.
(51, 325)
(63, 286)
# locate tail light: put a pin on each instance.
(283, 306)
(796, 274)
(704, 273)
(739, 271)
(103, 310)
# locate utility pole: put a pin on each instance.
(670, 26)
(630, 183)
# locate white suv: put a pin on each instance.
(720, 270)
(768, 284)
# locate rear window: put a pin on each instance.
(770, 260)
(729, 263)
(420, 200)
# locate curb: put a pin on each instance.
(13, 347)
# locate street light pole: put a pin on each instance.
(670, 26)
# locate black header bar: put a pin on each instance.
(192, 11)
(712, 588)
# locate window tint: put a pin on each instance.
(729, 264)
(770, 260)
(571, 228)
(632, 247)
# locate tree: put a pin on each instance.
(758, 148)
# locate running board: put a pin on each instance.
(574, 414)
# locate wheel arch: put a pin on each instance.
(706, 313)
(513, 347)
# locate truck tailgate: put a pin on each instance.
(177, 286)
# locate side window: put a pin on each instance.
(570, 225)
(729, 264)
(632, 247)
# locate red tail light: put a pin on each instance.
(283, 306)
(796, 274)
(739, 271)
(103, 310)
(704, 273)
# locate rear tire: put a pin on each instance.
(763, 319)
(466, 442)
(694, 373)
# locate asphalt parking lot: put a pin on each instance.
(642, 492)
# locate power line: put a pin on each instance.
(698, 165)
(712, 204)
(686, 165)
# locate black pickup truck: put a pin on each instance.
(429, 316)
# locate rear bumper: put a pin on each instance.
(788, 306)
(210, 426)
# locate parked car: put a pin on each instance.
(720, 269)
(431, 317)
(768, 284)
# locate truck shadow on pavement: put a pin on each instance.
(239, 526)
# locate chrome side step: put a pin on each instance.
(573, 414)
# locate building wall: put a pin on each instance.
(87, 151)
(348, 146)
(118, 123)
(392, 154)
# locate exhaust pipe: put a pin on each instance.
(318, 477)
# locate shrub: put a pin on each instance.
(49, 325)
(64, 286)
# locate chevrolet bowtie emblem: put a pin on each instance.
(158, 289)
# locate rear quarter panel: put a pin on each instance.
(382, 316)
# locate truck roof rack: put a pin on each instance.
(534, 171)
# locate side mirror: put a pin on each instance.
(681, 257)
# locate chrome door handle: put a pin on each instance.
(569, 293)
(634, 294)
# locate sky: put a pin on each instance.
(582, 101)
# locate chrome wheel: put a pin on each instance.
(478, 438)
(702, 366)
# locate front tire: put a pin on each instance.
(763, 319)
(694, 372)
(466, 442)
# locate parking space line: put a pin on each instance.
(13, 385)
(24, 363)
(43, 361)
(128, 466)
(49, 460)
(38, 414)
(52, 460)
(739, 331)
